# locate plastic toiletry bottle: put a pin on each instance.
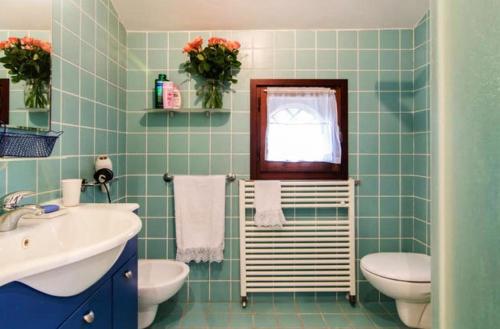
(159, 90)
(168, 95)
(176, 98)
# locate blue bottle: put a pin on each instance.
(158, 96)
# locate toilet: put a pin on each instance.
(406, 277)
(158, 280)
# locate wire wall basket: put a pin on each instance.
(27, 144)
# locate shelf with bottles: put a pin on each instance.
(172, 112)
(33, 109)
(167, 94)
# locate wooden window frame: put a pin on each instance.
(4, 101)
(261, 169)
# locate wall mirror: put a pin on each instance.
(25, 63)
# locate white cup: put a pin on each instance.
(71, 189)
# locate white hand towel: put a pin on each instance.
(268, 210)
(199, 218)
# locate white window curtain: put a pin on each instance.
(302, 125)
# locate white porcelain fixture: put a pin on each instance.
(65, 255)
(406, 277)
(158, 280)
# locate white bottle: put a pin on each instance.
(168, 87)
(176, 98)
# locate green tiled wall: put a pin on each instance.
(380, 67)
(103, 79)
(18, 116)
(421, 163)
(88, 102)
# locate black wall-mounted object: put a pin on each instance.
(4, 101)
(103, 175)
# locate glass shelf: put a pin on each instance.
(172, 112)
(31, 129)
(33, 110)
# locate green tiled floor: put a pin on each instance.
(266, 315)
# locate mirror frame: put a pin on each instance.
(4, 100)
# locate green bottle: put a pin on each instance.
(159, 91)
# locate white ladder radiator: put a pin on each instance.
(307, 255)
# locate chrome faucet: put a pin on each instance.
(11, 212)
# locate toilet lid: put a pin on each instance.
(399, 266)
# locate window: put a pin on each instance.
(297, 129)
(302, 125)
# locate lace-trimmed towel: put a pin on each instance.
(199, 218)
(268, 212)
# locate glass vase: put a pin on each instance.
(37, 94)
(211, 92)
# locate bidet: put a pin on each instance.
(159, 279)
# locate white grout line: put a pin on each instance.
(378, 158)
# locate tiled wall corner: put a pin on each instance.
(422, 174)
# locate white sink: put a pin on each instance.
(65, 255)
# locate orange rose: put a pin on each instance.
(187, 48)
(229, 45)
(197, 42)
(2, 44)
(216, 41)
(46, 47)
(232, 45)
(27, 40)
(194, 45)
(13, 39)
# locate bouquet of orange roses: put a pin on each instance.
(217, 64)
(28, 59)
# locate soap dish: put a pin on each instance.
(50, 215)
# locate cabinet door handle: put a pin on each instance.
(89, 317)
(129, 274)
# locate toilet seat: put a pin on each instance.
(405, 267)
(406, 277)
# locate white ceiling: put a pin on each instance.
(25, 14)
(152, 15)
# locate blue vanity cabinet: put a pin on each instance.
(125, 296)
(93, 314)
(112, 301)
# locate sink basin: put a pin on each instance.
(65, 255)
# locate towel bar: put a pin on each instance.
(231, 177)
(309, 254)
